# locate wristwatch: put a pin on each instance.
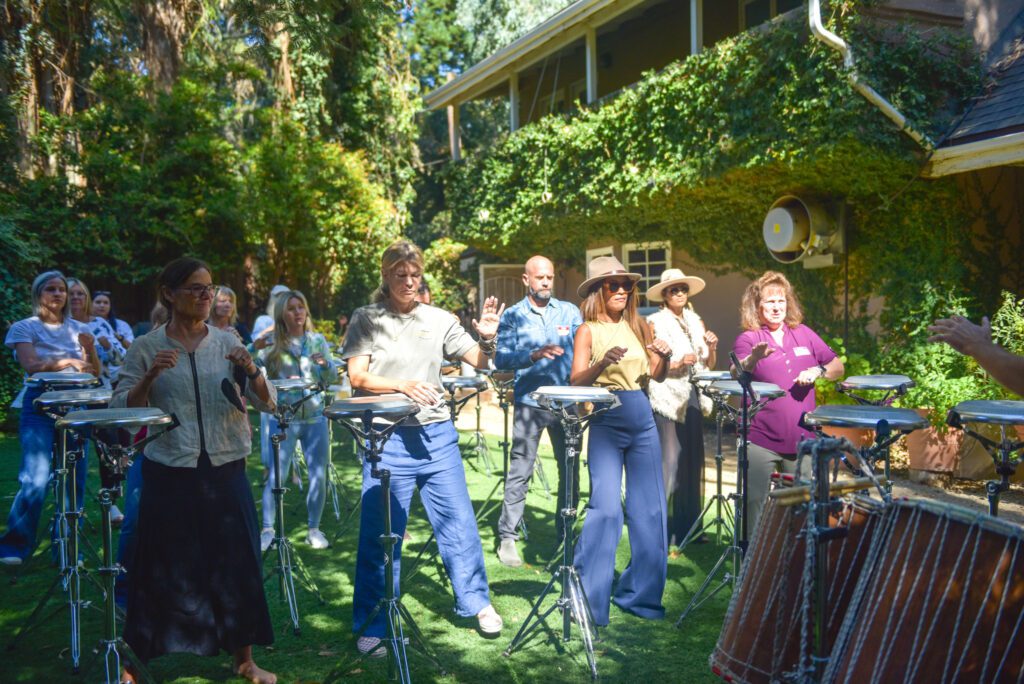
(255, 374)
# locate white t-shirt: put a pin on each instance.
(51, 341)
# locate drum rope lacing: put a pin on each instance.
(928, 621)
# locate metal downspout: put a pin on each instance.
(872, 96)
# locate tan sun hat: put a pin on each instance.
(603, 267)
(674, 276)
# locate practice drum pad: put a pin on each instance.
(877, 382)
(102, 419)
(390, 407)
(708, 377)
(454, 383)
(867, 417)
(559, 395)
(995, 412)
(292, 384)
(94, 398)
(63, 380)
(732, 388)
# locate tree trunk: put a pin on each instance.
(283, 72)
(165, 25)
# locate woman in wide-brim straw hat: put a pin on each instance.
(676, 402)
(615, 349)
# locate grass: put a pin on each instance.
(631, 649)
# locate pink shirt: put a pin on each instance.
(777, 425)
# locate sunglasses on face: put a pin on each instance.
(618, 285)
(679, 289)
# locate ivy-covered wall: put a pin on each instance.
(697, 152)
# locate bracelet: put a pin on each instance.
(488, 347)
(255, 374)
(821, 367)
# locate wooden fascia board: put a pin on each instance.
(1005, 150)
(563, 28)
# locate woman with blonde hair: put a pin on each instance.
(777, 347)
(299, 352)
(224, 314)
(398, 344)
(615, 349)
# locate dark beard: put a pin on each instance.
(542, 296)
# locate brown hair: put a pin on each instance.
(593, 305)
(398, 253)
(750, 305)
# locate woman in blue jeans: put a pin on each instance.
(615, 349)
(298, 352)
(397, 345)
(49, 341)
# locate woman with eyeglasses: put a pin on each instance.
(197, 585)
(676, 402)
(394, 345)
(777, 347)
(299, 352)
(49, 341)
(103, 307)
(615, 349)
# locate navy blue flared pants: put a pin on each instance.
(625, 439)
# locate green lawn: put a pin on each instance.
(630, 650)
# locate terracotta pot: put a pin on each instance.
(858, 436)
(928, 449)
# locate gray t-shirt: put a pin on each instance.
(408, 347)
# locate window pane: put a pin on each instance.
(656, 269)
(785, 5)
(638, 268)
(635, 255)
(656, 254)
(757, 12)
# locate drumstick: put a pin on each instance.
(792, 496)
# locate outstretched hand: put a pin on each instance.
(490, 315)
(960, 334)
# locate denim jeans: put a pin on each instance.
(425, 457)
(35, 432)
(316, 445)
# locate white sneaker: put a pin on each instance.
(116, 516)
(10, 560)
(266, 538)
(316, 538)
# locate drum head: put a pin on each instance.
(710, 376)
(454, 383)
(876, 382)
(732, 388)
(389, 407)
(69, 398)
(63, 380)
(292, 384)
(867, 417)
(564, 395)
(996, 412)
(101, 419)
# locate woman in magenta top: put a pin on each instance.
(777, 347)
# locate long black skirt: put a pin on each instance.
(196, 579)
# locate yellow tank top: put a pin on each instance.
(632, 372)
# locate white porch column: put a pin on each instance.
(696, 26)
(513, 101)
(454, 134)
(591, 39)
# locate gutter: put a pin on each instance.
(852, 75)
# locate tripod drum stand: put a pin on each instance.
(1005, 414)
(89, 424)
(358, 416)
(65, 531)
(572, 601)
(288, 562)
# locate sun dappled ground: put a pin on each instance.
(630, 649)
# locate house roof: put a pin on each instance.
(564, 27)
(991, 132)
(1001, 109)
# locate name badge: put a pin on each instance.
(801, 351)
(563, 330)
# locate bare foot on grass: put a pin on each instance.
(255, 674)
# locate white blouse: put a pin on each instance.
(685, 335)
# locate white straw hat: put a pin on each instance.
(674, 276)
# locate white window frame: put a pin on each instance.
(646, 247)
(599, 252)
